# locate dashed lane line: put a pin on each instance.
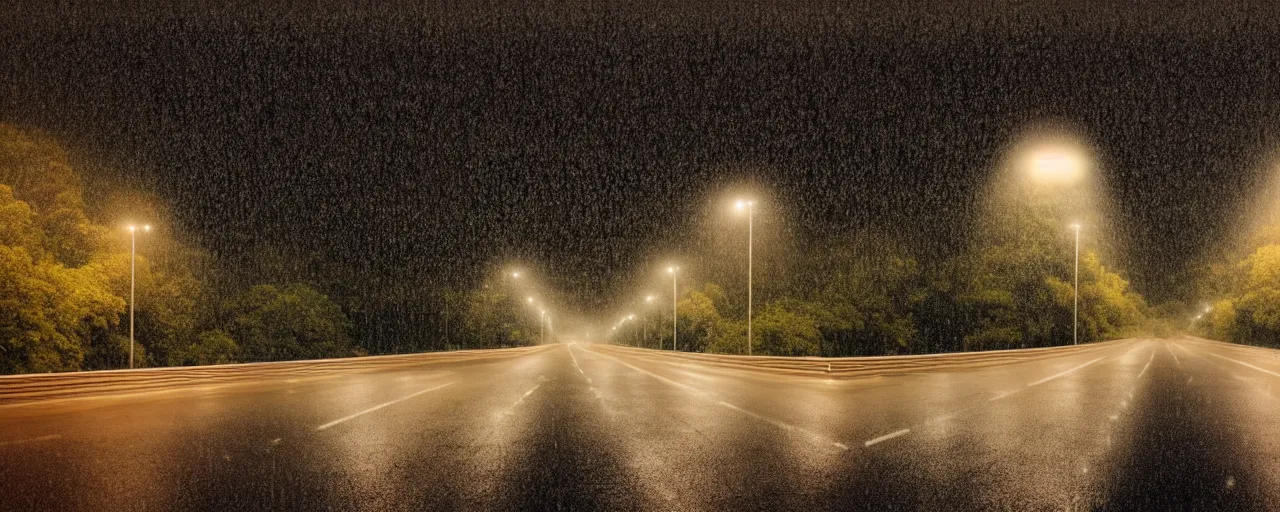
(887, 437)
(49, 437)
(813, 436)
(349, 417)
(1148, 365)
(1175, 356)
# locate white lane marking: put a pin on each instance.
(376, 407)
(702, 394)
(49, 437)
(1062, 374)
(520, 400)
(786, 426)
(1006, 394)
(1148, 365)
(940, 419)
(1175, 356)
(569, 347)
(1003, 394)
(1263, 370)
(887, 437)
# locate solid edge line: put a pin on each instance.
(376, 407)
(1263, 370)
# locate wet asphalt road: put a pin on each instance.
(1144, 424)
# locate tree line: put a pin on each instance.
(64, 284)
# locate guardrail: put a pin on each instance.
(33, 387)
(1250, 351)
(858, 367)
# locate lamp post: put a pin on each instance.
(644, 340)
(133, 252)
(750, 206)
(1075, 308)
(674, 302)
(542, 330)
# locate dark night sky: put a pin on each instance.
(433, 138)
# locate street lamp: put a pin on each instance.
(1057, 163)
(644, 340)
(133, 252)
(1075, 308)
(674, 301)
(542, 331)
(750, 207)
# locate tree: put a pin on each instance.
(868, 289)
(49, 313)
(493, 318)
(210, 347)
(292, 322)
(1250, 312)
(784, 328)
(701, 328)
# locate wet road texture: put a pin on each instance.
(1148, 424)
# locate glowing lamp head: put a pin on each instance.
(1076, 226)
(1057, 164)
(529, 300)
(132, 228)
(146, 227)
(648, 298)
(515, 275)
(631, 317)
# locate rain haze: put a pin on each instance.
(902, 256)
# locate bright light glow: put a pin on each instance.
(742, 204)
(648, 298)
(515, 275)
(671, 270)
(631, 317)
(1075, 226)
(146, 227)
(1057, 164)
(529, 299)
(132, 228)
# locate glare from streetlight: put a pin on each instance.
(742, 204)
(631, 317)
(515, 275)
(1056, 164)
(529, 300)
(648, 298)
